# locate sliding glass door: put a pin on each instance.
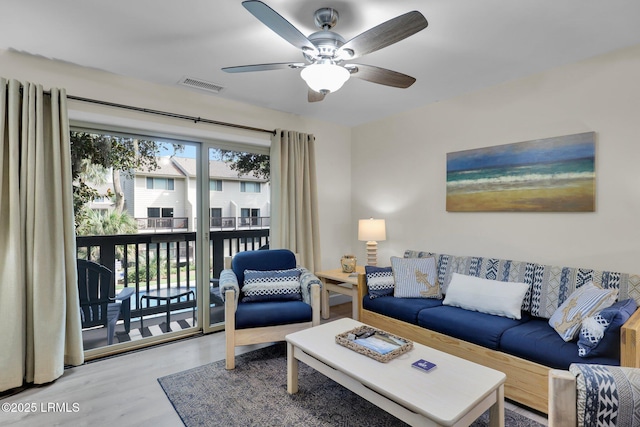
(162, 215)
(136, 204)
(239, 202)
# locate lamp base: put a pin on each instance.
(372, 253)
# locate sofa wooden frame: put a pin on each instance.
(239, 337)
(563, 398)
(527, 382)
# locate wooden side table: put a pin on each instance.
(341, 283)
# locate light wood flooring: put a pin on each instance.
(123, 390)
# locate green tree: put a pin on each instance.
(246, 163)
(96, 223)
(110, 223)
(119, 154)
(250, 163)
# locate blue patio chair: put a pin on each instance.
(266, 296)
(97, 305)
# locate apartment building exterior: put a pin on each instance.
(165, 199)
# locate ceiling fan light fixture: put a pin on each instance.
(325, 77)
(326, 51)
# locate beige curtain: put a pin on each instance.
(294, 199)
(40, 327)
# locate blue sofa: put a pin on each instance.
(526, 348)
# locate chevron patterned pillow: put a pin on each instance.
(275, 285)
(379, 281)
(600, 333)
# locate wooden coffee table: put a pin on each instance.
(454, 394)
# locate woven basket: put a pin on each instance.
(343, 340)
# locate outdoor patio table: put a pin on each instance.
(167, 294)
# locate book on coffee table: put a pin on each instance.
(423, 365)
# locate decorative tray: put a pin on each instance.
(375, 343)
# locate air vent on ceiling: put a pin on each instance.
(201, 84)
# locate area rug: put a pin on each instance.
(255, 394)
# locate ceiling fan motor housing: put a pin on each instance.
(327, 43)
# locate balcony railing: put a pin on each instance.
(154, 261)
(156, 225)
(162, 224)
(240, 223)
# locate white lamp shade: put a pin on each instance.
(324, 78)
(372, 230)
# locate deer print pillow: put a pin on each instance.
(486, 296)
(584, 302)
(415, 278)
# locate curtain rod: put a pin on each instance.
(172, 115)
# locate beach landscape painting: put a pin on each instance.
(545, 175)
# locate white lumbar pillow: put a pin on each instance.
(486, 296)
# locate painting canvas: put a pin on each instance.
(544, 175)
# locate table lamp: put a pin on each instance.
(372, 231)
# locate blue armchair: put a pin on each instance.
(266, 296)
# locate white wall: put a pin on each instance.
(332, 141)
(395, 168)
(399, 170)
(231, 193)
(158, 198)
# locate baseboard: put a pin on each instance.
(336, 299)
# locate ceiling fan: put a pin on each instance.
(327, 53)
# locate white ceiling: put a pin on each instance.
(468, 45)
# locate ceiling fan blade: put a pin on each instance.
(314, 96)
(263, 67)
(383, 35)
(380, 75)
(279, 25)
